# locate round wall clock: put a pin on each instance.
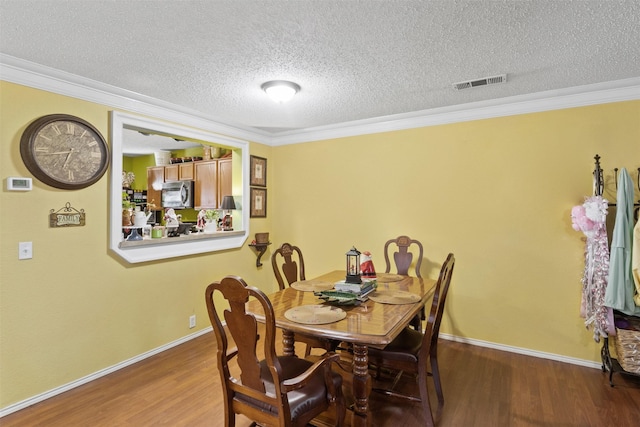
(64, 151)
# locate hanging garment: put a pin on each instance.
(590, 218)
(635, 261)
(621, 288)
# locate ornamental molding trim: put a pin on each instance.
(33, 75)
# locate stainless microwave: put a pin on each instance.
(177, 194)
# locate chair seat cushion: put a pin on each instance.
(404, 347)
(301, 401)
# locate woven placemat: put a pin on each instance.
(313, 285)
(394, 297)
(315, 314)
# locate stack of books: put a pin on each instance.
(359, 289)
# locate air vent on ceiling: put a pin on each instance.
(502, 78)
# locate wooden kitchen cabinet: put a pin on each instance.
(171, 173)
(179, 172)
(155, 179)
(186, 171)
(213, 180)
(225, 179)
(206, 185)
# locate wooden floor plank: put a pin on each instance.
(482, 387)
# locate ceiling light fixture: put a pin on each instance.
(280, 90)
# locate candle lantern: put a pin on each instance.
(353, 266)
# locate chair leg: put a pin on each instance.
(341, 409)
(435, 372)
(424, 398)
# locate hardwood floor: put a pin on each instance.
(482, 387)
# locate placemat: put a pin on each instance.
(387, 277)
(313, 285)
(394, 297)
(315, 314)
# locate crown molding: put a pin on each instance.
(579, 96)
(37, 76)
(27, 73)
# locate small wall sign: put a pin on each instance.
(66, 216)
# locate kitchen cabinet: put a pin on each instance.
(213, 180)
(225, 179)
(155, 179)
(186, 171)
(206, 186)
(179, 172)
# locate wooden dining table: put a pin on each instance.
(369, 324)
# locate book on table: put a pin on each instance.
(357, 288)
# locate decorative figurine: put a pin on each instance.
(366, 266)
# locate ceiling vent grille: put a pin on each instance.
(502, 78)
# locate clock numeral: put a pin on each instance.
(44, 137)
(84, 132)
(92, 143)
(96, 155)
(42, 149)
(71, 178)
(70, 128)
(56, 129)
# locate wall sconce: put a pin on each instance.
(353, 266)
(280, 90)
(227, 206)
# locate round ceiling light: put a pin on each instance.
(280, 90)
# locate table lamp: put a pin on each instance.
(228, 204)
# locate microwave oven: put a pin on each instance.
(177, 194)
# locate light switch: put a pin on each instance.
(25, 250)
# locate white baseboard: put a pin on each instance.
(66, 387)
(524, 351)
(101, 373)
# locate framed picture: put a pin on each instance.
(258, 171)
(258, 203)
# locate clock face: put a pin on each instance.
(64, 151)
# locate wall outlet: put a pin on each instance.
(192, 321)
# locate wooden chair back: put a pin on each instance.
(277, 390)
(292, 268)
(243, 329)
(432, 329)
(403, 258)
(415, 352)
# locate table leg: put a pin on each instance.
(361, 386)
(288, 343)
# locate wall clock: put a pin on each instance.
(64, 151)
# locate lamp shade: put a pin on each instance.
(228, 203)
(280, 90)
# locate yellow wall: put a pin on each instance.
(76, 308)
(495, 192)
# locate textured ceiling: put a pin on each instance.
(353, 59)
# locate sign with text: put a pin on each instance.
(66, 216)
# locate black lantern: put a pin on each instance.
(353, 266)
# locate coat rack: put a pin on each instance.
(610, 364)
(598, 184)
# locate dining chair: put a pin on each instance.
(291, 270)
(404, 255)
(292, 267)
(275, 390)
(402, 260)
(412, 351)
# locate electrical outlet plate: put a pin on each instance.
(192, 321)
(25, 250)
